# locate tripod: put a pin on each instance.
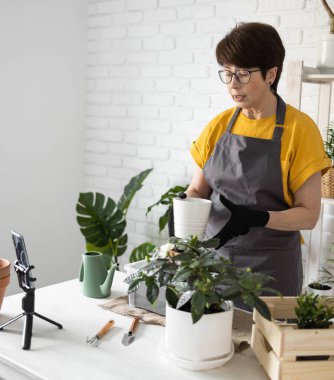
(28, 304)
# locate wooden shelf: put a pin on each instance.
(316, 75)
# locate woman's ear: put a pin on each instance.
(271, 75)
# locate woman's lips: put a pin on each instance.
(238, 98)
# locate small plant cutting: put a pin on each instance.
(102, 222)
(313, 313)
(196, 280)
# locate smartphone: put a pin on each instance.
(26, 278)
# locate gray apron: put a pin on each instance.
(247, 171)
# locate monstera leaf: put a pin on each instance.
(140, 252)
(101, 223)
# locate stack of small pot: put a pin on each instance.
(4, 278)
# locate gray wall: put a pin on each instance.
(42, 70)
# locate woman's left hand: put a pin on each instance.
(241, 221)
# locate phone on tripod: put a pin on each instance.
(26, 280)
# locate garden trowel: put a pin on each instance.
(129, 337)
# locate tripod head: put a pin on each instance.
(26, 281)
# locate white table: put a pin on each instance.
(64, 355)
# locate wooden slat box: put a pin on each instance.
(277, 344)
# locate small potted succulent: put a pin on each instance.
(199, 288)
(327, 180)
(320, 288)
(313, 312)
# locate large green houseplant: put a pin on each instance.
(102, 221)
(199, 287)
(196, 280)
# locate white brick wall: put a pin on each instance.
(152, 86)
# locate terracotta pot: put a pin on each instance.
(4, 282)
(4, 268)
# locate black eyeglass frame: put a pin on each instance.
(236, 75)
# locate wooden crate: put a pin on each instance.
(277, 344)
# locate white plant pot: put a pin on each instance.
(208, 341)
(319, 292)
(326, 52)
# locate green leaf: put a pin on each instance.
(130, 190)
(198, 302)
(100, 221)
(230, 292)
(152, 292)
(163, 220)
(212, 243)
(140, 252)
(167, 198)
(171, 297)
(134, 285)
(186, 296)
(261, 307)
(195, 315)
(182, 274)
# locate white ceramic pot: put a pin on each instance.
(326, 52)
(208, 339)
(320, 292)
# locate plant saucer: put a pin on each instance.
(198, 365)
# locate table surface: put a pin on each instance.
(64, 354)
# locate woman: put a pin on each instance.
(260, 163)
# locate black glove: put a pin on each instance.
(241, 221)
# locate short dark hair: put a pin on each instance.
(253, 44)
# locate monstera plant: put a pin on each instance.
(102, 222)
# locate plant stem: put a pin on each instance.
(330, 14)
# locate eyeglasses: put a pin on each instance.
(243, 76)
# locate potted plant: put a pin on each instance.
(199, 288)
(327, 180)
(4, 278)
(102, 222)
(319, 287)
(313, 312)
(326, 47)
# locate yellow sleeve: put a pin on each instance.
(202, 148)
(307, 155)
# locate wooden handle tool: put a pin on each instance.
(96, 338)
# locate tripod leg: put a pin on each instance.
(27, 332)
(48, 320)
(11, 321)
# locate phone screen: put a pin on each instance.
(22, 258)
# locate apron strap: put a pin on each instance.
(230, 124)
(280, 116)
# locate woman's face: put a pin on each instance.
(254, 94)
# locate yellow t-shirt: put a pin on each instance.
(302, 148)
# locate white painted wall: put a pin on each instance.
(42, 70)
(153, 86)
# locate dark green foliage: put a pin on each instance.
(140, 252)
(167, 200)
(103, 223)
(197, 280)
(329, 143)
(312, 312)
